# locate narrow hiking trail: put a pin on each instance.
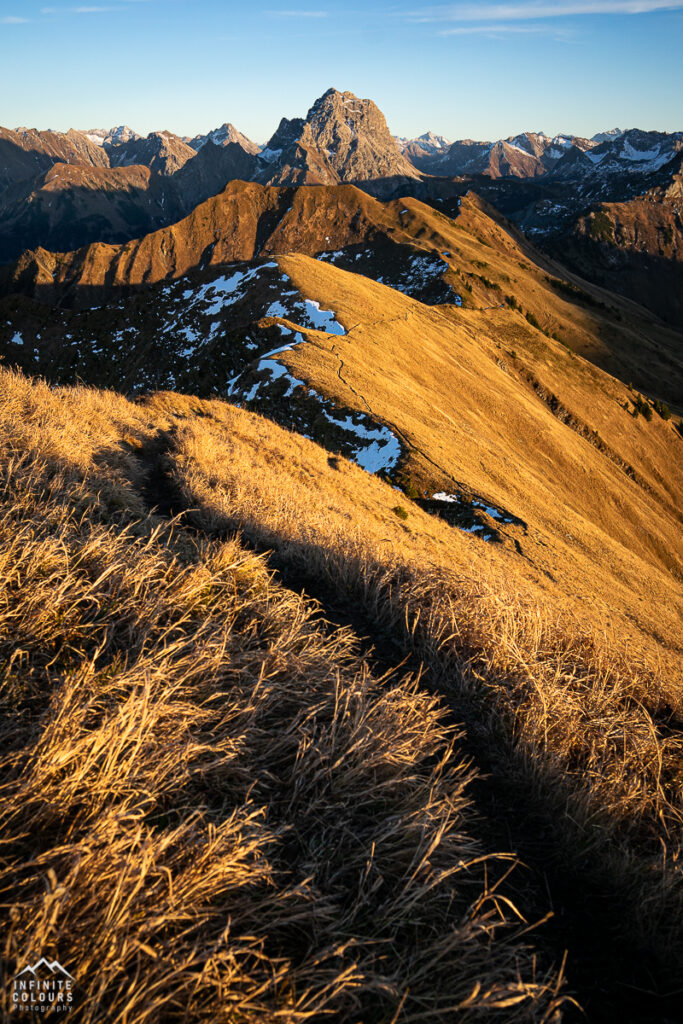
(392, 426)
(571, 915)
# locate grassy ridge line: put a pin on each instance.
(575, 722)
(211, 810)
(612, 548)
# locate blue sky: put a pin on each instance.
(464, 69)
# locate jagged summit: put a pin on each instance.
(341, 139)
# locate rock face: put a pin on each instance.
(342, 139)
(291, 157)
(163, 152)
(354, 137)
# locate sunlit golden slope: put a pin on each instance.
(484, 402)
(212, 808)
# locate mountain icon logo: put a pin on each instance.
(43, 986)
(43, 966)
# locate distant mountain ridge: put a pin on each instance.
(533, 154)
(63, 191)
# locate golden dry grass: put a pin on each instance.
(579, 721)
(211, 809)
(454, 383)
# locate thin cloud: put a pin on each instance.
(91, 9)
(10, 19)
(488, 31)
(298, 14)
(472, 30)
(531, 11)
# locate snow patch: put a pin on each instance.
(270, 155)
(322, 319)
(384, 450)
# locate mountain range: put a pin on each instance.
(63, 191)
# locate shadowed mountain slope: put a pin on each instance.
(636, 247)
(27, 153)
(71, 203)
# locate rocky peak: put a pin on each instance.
(287, 134)
(223, 136)
(341, 139)
(353, 135)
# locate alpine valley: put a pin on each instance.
(342, 577)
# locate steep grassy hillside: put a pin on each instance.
(234, 805)
(485, 406)
(214, 808)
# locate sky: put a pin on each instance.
(481, 70)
